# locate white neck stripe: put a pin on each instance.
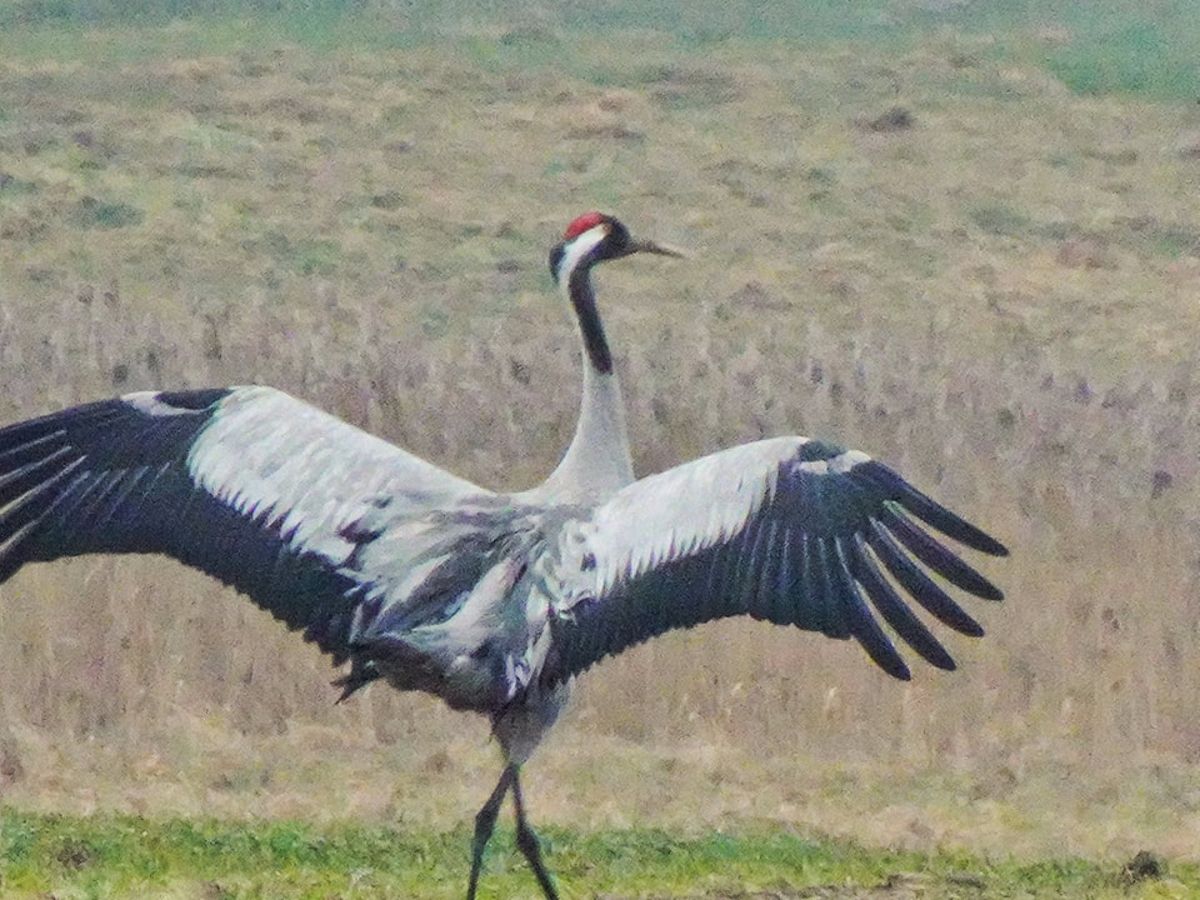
(580, 247)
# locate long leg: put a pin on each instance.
(485, 822)
(527, 841)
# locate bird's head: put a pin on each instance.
(593, 238)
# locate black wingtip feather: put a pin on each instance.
(32, 430)
(917, 583)
(837, 623)
(894, 610)
(929, 510)
(112, 477)
(939, 558)
(859, 619)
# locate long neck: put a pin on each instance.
(597, 462)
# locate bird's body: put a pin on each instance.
(493, 602)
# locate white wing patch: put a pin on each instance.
(148, 402)
(838, 465)
(670, 515)
(266, 450)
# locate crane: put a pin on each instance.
(493, 602)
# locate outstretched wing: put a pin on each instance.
(788, 530)
(248, 484)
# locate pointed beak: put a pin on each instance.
(660, 249)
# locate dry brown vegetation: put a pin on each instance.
(999, 298)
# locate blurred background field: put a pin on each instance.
(962, 236)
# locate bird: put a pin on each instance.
(495, 602)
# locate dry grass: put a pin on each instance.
(999, 299)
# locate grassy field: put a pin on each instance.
(962, 236)
(121, 855)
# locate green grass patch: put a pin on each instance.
(126, 856)
(1144, 58)
(317, 257)
(1110, 47)
(11, 186)
(1148, 234)
(92, 213)
(1000, 220)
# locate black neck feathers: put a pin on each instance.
(579, 286)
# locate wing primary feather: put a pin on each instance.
(927, 509)
(786, 587)
(105, 483)
(939, 558)
(859, 619)
(723, 572)
(35, 430)
(69, 514)
(135, 436)
(28, 476)
(652, 608)
(57, 423)
(761, 602)
(159, 472)
(280, 568)
(749, 561)
(835, 609)
(10, 559)
(716, 573)
(125, 486)
(225, 541)
(810, 603)
(16, 456)
(894, 610)
(33, 505)
(191, 506)
(81, 479)
(920, 585)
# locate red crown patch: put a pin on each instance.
(581, 224)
